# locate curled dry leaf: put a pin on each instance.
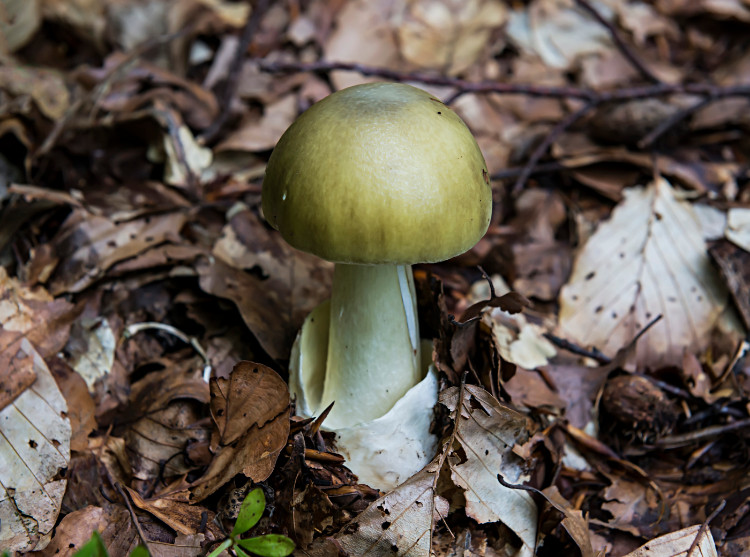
(178, 514)
(170, 419)
(488, 431)
(251, 411)
(89, 245)
(34, 449)
(648, 259)
(400, 523)
(113, 523)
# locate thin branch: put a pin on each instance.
(654, 135)
(621, 45)
(554, 133)
(583, 93)
(233, 79)
(134, 518)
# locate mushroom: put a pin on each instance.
(375, 178)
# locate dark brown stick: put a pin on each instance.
(553, 134)
(233, 79)
(585, 94)
(621, 45)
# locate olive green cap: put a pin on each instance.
(378, 173)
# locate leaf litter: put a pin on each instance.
(130, 180)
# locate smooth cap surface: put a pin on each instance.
(378, 173)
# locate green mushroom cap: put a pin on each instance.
(382, 173)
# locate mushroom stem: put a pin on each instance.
(373, 343)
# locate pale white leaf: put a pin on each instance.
(518, 341)
(34, 447)
(677, 544)
(488, 431)
(738, 227)
(648, 259)
(91, 349)
(399, 523)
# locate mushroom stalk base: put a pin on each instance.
(373, 342)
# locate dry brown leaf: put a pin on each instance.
(558, 32)
(400, 523)
(447, 36)
(113, 523)
(573, 520)
(264, 415)
(678, 543)
(648, 259)
(89, 245)
(34, 449)
(19, 20)
(170, 419)
(44, 86)
(364, 35)
(488, 431)
(230, 407)
(297, 282)
(262, 134)
(179, 515)
(81, 406)
(18, 369)
(33, 313)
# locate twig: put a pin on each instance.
(704, 526)
(585, 94)
(622, 46)
(515, 172)
(233, 79)
(553, 134)
(653, 136)
(134, 518)
(577, 350)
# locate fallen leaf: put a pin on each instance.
(168, 418)
(447, 36)
(89, 245)
(34, 449)
(488, 431)
(19, 20)
(179, 515)
(648, 259)
(400, 523)
(250, 397)
(44, 86)
(518, 341)
(678, 543)
(738, 227)
(91, 349)
(254, 454)
(262, 134)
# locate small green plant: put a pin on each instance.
(270, 545)
(95, 548)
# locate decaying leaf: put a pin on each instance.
(256, 400)
(169, 417)
(678, 543)
(648, 259)
(518, 341)
(34, 449)
(488, 431)
(448, 36)
(738, 227)
(400, 523)
(91, 244)
(91, 349)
